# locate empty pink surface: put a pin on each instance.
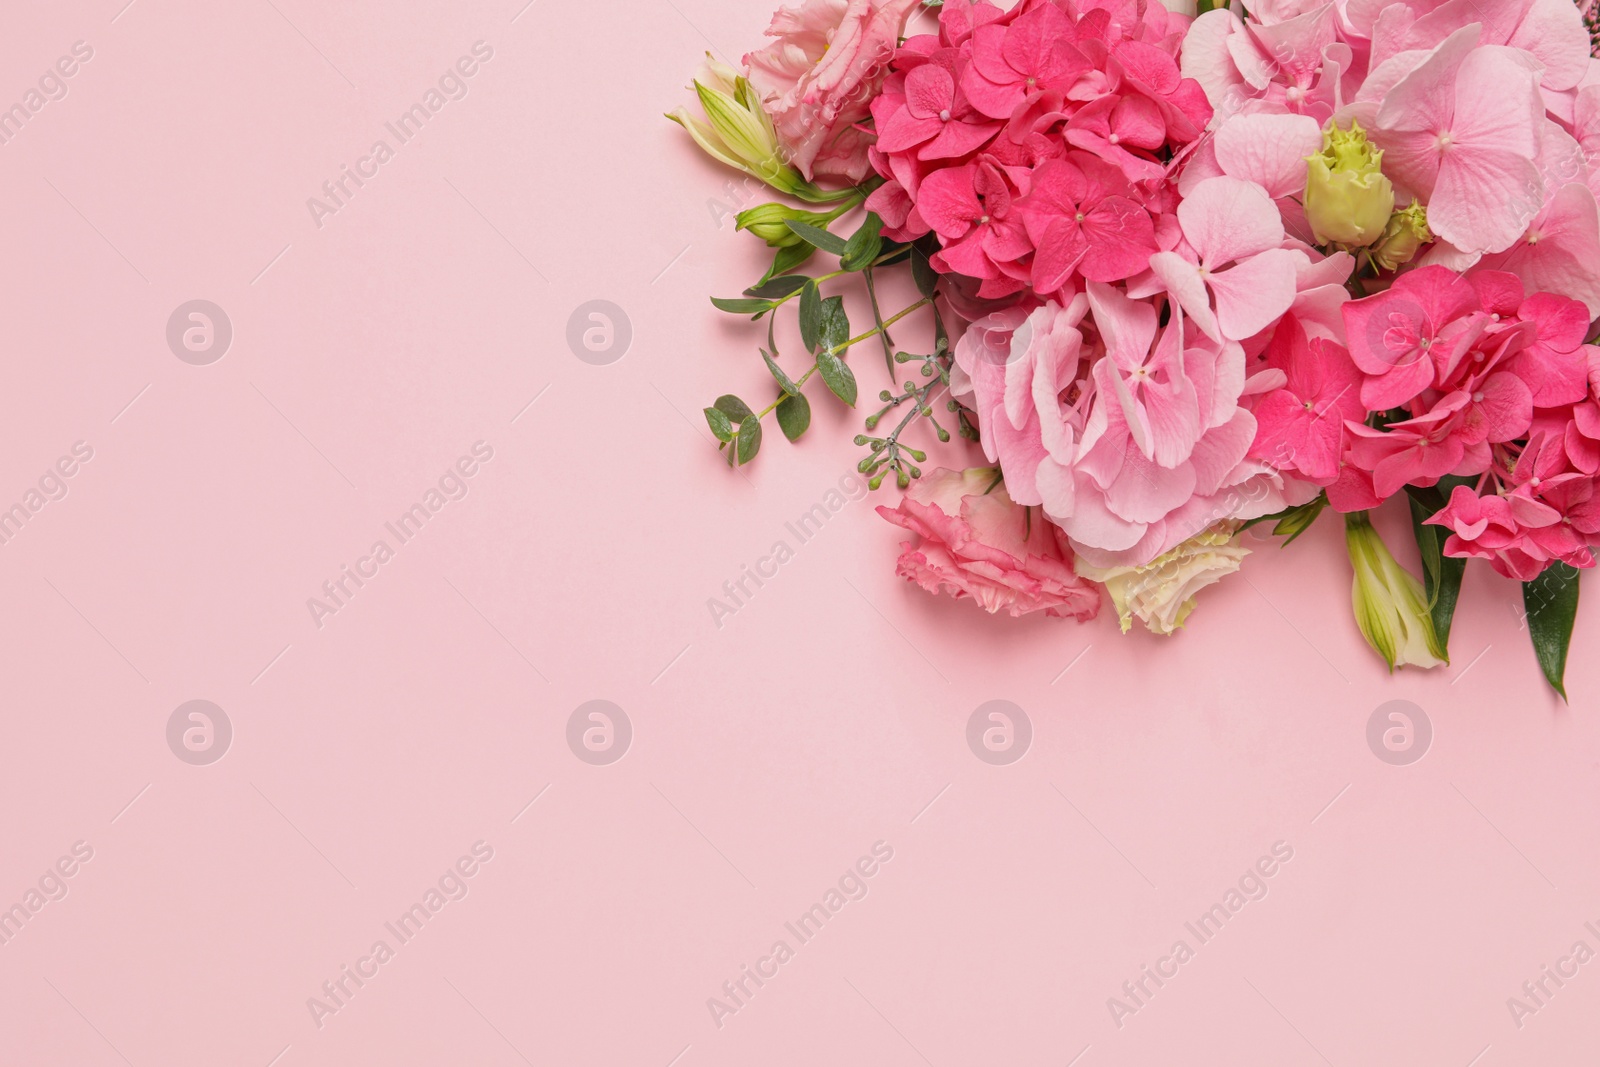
(374, 746)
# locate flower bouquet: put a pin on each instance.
(1188, 271)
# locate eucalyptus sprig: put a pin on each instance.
(826, 334)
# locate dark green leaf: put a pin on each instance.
(1441, 574)
(749, 440)
(718, 421)
(864, 245)
(828, 242)
(740, 306)
(922, 271)
(733, 407)
(788, 258)
(1298, 520)
(784, 381)
(794, 415)
(1552, 603)
(838, 376)
(780, 286)
(810, 316)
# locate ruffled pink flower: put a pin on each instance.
(972, 540)
(818, 78)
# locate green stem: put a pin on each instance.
(890, 321)
(877, 316)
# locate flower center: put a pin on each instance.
(944, 116)
(1114, 139)
(1080, 216)
(1445, 142)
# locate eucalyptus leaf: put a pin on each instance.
(818, 238)
(784, 381)
(864, 245)
(794, 415)
(741, 306)
(776, 288)
(838, 376)
(835, 325)
(733, 407)
(811, 321)
(720, 424)
(749, 440)
(787, 259)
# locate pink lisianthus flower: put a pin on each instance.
(973, 540)
(817, 80)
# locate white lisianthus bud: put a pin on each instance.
(1389, 604)
(1161, 593)
(738, 132)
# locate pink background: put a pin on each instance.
(767, 755)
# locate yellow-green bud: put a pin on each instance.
(766, 221)
(1348, 199)
(1390, 606)
(1406, 233)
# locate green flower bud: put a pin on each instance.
(1348, 200)
(766, 221)
(736, 130)
(1389, 604)
(1406, 233)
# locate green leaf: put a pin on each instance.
(864, 245)
(835, 325)
(1296, 521)
(749, 440)
(1441, 574)
(788, 258)
(779, 286)
(837, 375)
(1552, 603)
(784, 381)
(794, 415)
(828, 242)
(922, 271)
(720, 425)
(810, 316)
(740, 306)
(733, 407)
